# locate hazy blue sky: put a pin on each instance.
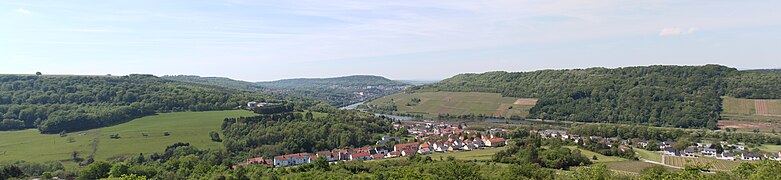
(267, 40)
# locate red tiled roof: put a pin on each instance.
(406, 145)
(378, 156)
(395, 153)
(256, 160)
(362, 154)
(285, 157)
(324, 153)
(496, 140)
(409, 151)
(280, 158)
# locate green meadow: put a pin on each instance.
(142, 135)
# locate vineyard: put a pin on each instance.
(716, 164)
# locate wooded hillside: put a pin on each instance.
(70, 103)
(283, 133)
(679, 96)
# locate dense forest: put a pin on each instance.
(677, 96)
(71, 103)
(339, 91)
(275, 134)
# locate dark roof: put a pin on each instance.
(752, 155)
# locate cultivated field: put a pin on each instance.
(720, 165)
(750, 114)
(190, 127)
(479, 155)
(633, 166)
(457, 103)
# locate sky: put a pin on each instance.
(256, 40)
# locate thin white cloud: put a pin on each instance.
(23, 11)
(674, 31)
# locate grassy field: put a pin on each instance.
(479, 155)
(457, 103)
(600, 158)
(720, 165)
(750, 114)
(770, 148)
(648, 155)
(191, 127)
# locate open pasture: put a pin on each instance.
(143, 135)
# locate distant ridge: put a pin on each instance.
(337, 91)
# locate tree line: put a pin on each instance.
(675, 96)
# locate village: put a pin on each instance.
(722, 150)
(428, 138)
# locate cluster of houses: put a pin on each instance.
(730, 151)
(425, 145)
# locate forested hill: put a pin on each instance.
(216, 81)
(357, 81)
(680, 96)
(70, 103)
(339, 91)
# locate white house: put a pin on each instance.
(666, 144)
(440, 147)
(328, 155)
(669, 151)
(494, 142)
(708, 152)
(291, 159)
(705, 145)
(751, 157)
(725, 156)
(361, 155)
